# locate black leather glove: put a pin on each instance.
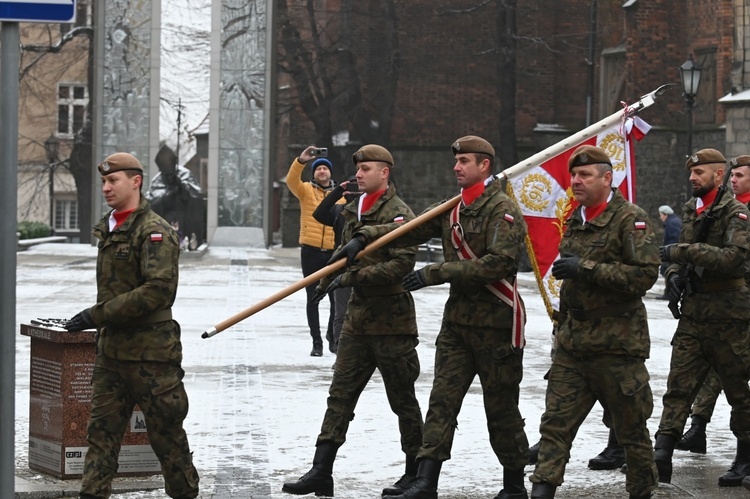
(81, 321)
(349, 251)
(675, 287)
(664, 253)
(320, 291)
(566, 267)
(415, 280)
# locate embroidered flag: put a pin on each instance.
(640, 225)
(509, 218)
(156, 237)
(399, 219)
(546, 200)
(743, 216)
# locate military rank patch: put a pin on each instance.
(508, 217)
(156, 237)
(743, 216)
(640, 225)
(399, 219)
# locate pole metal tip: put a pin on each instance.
(209, 332)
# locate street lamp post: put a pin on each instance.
(690, 76)
(51, 145)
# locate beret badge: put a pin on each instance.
(105, 166)
(584, 157)
(694, 158)
(358, 155)
(457, 146)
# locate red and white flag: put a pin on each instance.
(546, 200)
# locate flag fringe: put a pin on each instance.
(532, 260)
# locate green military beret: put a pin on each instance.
(588, 155)
(372, 152)
(472, 143)
(705, 156)
(118, 162)
(741, 161)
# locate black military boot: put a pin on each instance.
(746, 482)
(320, 477)
(694, 439)
(406, 481)
(317, 349)
(663, 450)
(534, 453)
(543, 491)
(513, 485)
(611, 458)
(425, 486)
(740, 467)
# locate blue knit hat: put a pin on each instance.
(321, 161)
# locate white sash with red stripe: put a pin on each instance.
(507, 293)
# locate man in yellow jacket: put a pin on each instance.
(316, 240)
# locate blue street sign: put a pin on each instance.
(38, 11)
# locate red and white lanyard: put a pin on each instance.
(507, 293)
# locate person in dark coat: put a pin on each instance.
(672, 227)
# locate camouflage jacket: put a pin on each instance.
(494, 229)
(379, 305)
(136, 274)
(722, 258)
(619, 263)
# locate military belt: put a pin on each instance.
(713, 286)
(601, 312)
(368, 291)
(317, 248)
(152, 318)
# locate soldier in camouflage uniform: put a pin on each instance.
(139, 353)
(477, 329)
(694, 440)
(714, 328)
(379, 330)
(609, 259)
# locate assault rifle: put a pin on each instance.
(700, 236)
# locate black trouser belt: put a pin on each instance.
(608, 311)
(152, 318)
(368, 291)
(315, 248)
(713, 286)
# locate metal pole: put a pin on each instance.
(9, 72)
(689, 101)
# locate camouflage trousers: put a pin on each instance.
(395, 356)
(696, 349)
(158, 389)
(621, 385)
(463, 353)
(705, 401)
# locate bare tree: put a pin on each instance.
(185, 66)
(328, 67)
(56, 56)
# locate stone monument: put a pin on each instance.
(60, 406)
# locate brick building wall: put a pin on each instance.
(447, 82)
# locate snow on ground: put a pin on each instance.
(257, 397)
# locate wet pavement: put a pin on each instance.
(257, 398)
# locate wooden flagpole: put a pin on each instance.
(515, 170)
